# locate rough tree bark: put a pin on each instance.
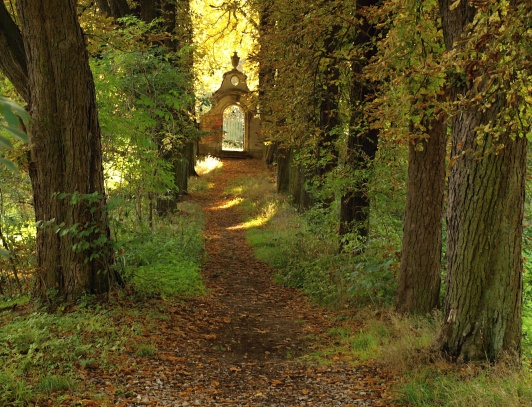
(65, 156)
(419, 275)
(485, 214)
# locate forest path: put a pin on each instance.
(239, 345)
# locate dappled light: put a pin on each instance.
(230, 203)
(260, 220)
(208, 164)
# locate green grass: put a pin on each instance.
(146, 350)
(6, 302)
(492, 387)
(42, 351)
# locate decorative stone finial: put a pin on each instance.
(235, 59)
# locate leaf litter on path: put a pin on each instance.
(241, 344)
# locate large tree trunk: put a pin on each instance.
(65, 153)
(485, 214)
(419, 275)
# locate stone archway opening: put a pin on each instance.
(233, 129)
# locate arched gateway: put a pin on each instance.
(232, 125)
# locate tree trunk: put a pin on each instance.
(419, 276)
(362, 141)
(484, 222)
(13, 61)
(266, 74)
(485, 215)
(191, 150)
(283, 168)
(148, 10)
(104, 7)
(65, 156)
(113, 8)
(119, 8)
(355, 203)
(297, 178)
(328, 106)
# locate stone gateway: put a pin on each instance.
(232, 126)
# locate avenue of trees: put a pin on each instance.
(341, 83)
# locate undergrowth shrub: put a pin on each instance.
(166, 259)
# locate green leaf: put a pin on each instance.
(4, 142)
(8, 164)
(4, 252)
(6, 104)
(17, 133)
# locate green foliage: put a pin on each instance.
(527, 275)
(11, 117)
(144, 94)
(304, 248)
(17, 233)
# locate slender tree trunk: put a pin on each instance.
(329, 112)
(104, 7)
(297, 178)
(266, 74)
(13, 62)
(484, 221)
(283, 169)
(355, 204)
(419, 276)
(65, 156)
(148, 9)
(362, 141)
(113, 8)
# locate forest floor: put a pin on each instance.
(248, 341)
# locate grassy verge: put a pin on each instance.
(47, 357)
(304, 250)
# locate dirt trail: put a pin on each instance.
(239, 345)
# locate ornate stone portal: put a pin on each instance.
(232, 125)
